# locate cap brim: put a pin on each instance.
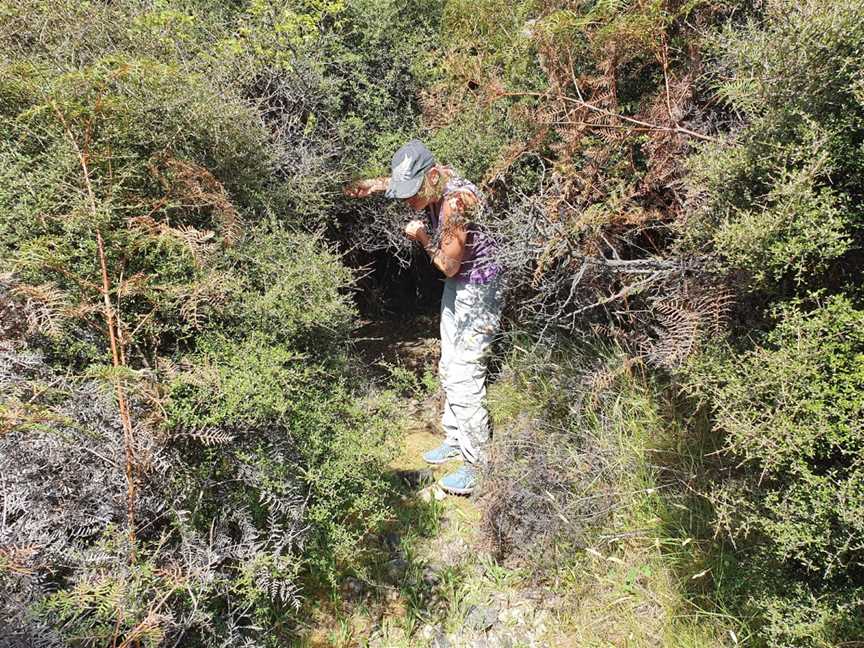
(404, 189)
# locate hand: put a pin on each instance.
(416, 231)
(362, 188)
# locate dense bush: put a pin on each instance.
(779, 203)
(165, 174)
(270, 384)
(791, 412)
(680, 157)
(781, 200)
(646, 162)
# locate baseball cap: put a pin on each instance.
(407, 168)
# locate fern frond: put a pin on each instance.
(46, 307)
(210, 436)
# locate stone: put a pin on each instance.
(481, 618)
(505, 641)
(353, 589)
(392, 595)
(436, 637)
(431, 576)
(432, 492)
(392, 541)
(514, 615)
(396, 569)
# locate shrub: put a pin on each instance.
(781, 199)
(185, 140)
(289, 428)
(289, 288)
(790, 409)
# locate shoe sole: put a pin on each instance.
(456, 491)
(438, 462)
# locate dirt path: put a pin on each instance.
(433, 583)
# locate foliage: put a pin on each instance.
(200, 146)
(680, 177)
(284, 420)
(791, 409)
(778, 204)
(289, 288)
(781, 201)
(144, 187)
(676, 172)
(557, 471)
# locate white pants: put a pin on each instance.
(470, 317)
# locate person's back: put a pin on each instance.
(478, 263)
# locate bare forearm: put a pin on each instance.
(363, 188)
(440, 259)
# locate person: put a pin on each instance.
(471, 302)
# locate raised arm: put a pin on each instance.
(363, 188)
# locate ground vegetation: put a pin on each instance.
(191, 452)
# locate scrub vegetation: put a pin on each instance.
(192, 449)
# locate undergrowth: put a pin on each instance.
(610, 482)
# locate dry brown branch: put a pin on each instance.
(602, 111)
(194, 187)
(109, 314)
(128, 432)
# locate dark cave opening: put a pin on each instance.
(388, 290)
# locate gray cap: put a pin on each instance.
(410, 163)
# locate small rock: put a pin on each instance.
(436, 637)
(514, 615)
(353, 589)
(481, 618)
(505, 641)
(396, 634)
(392, 540)
(395, 569)
(432, 492)
(431, 576)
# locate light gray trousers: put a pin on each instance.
(470, 317)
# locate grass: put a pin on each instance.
(652, 576)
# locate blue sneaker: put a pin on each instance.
(442, 454)
(460, 482)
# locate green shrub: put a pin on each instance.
(269, 374)
(791, 411)
(215, 138)
(781, 200)
(291, 420)
(289, 288)
(169, 166)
